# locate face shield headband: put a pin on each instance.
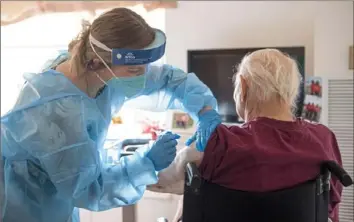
(149, 54)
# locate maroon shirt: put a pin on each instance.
(267, 154)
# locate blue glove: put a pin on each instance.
(163, 151)
(208, 121)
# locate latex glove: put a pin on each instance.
(208, 121)
(163, 150)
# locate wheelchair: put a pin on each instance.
(307, 202)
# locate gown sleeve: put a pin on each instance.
(53, 137)
(171, 88)
(188, 92)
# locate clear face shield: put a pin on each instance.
(144, 56)
(152, 53)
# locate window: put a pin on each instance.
(27, 45)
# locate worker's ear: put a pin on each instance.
(94, 64)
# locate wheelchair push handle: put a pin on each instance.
(338, 172)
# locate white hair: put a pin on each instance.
(270, 76)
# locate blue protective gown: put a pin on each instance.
(51, 140)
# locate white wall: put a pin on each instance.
(333, 35)
(237, 24)
(324, 28)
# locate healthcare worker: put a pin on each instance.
(51, 139)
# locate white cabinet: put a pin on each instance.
(114, 215)
(149, 209)
(155, 205)
(85, 215)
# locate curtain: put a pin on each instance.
(16, 11)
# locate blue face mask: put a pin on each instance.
(130, 86)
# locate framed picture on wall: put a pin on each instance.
(313, 99)
(181, 122)
(313, 86)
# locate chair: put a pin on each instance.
(307, 202)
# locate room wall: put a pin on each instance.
(333, 32)
(325, 28)
(237, 24)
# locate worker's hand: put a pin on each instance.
(208, 121)
(163, 151)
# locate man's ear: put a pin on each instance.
(244, 88)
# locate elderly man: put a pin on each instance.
(260, 155)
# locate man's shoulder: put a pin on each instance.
(315, 126)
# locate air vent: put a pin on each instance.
(340, 121)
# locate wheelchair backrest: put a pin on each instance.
(306, 202)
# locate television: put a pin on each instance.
(216, 68)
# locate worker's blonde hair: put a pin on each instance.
(271, 76)
(117, 28)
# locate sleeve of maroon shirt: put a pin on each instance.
(216, 149)
(213, 152)
(336, 186)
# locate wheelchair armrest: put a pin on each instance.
(129, 146)
(194, 179)
(131, 142)
(126, 154)
(338, 172)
